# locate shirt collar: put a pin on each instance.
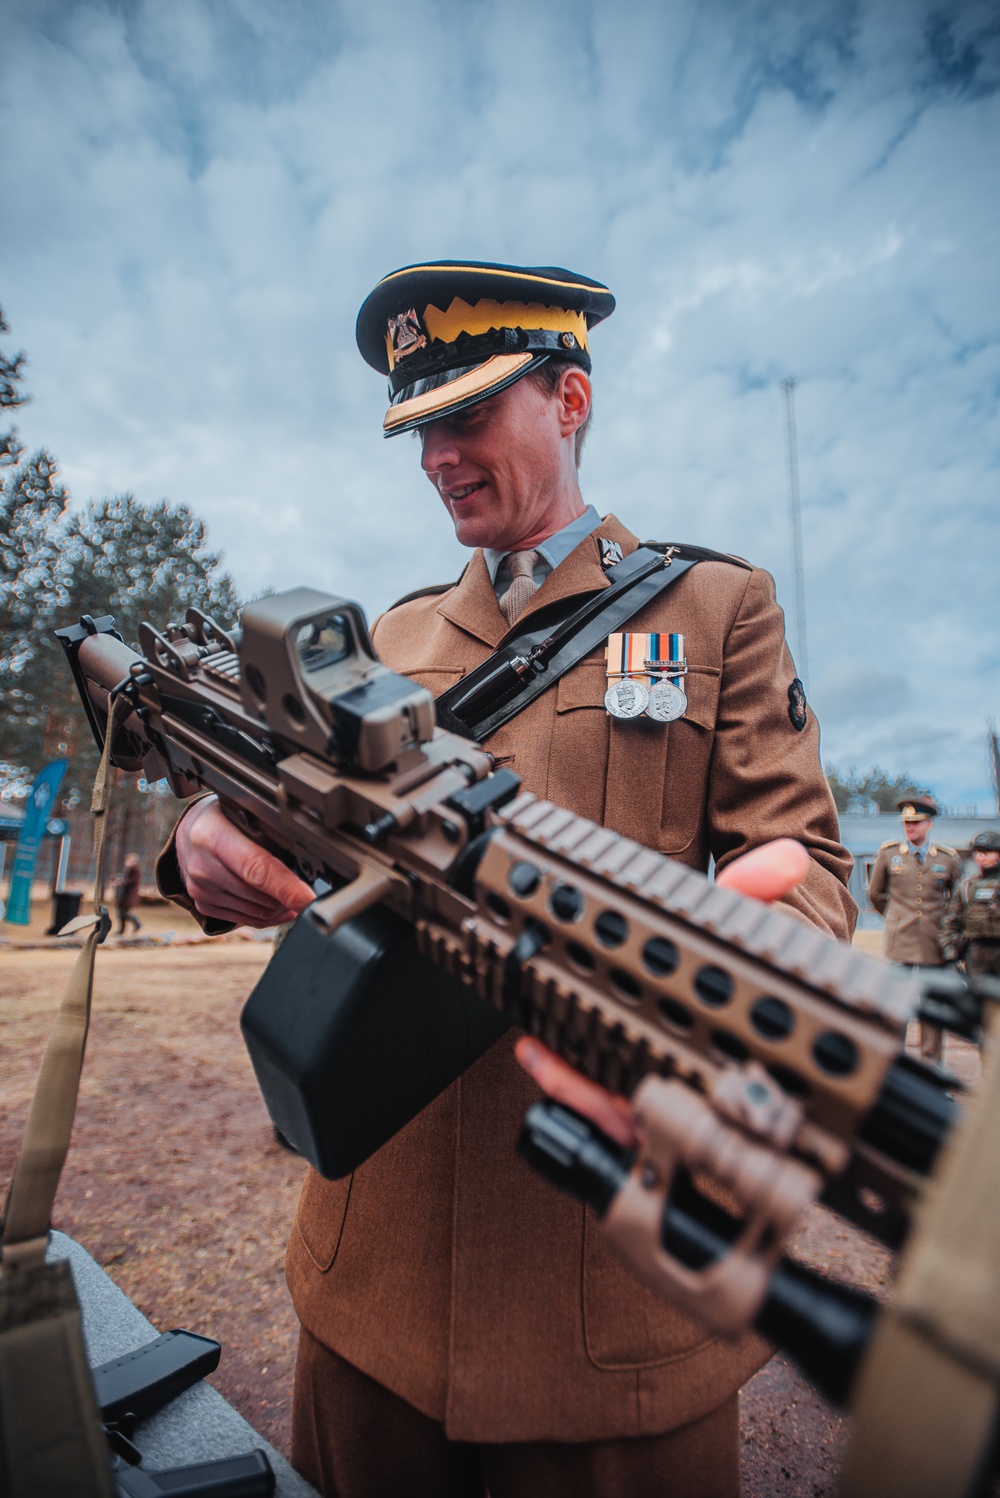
(555, 548)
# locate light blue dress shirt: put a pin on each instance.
(553, 550)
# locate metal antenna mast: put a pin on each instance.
(994, 752)
(801, 644)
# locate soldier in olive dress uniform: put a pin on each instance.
(971, 930)
(911, 885)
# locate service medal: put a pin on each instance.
(626, 698)
(667, 702)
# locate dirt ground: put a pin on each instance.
(177, 1187)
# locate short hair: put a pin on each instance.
(547, 376)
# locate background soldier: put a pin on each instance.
(127, 893)
(971, 928)
(911, 885)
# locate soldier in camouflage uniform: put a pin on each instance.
(911, 885)
(971, 928)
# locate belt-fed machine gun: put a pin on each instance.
(761, 1053)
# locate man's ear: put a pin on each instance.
(573, 396)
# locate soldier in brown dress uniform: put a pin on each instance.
(465, 1326)
(127, 893)
(971, 929)
(911, 884)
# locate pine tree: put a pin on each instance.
(32, 503)
(113, 556)
(118, 557)
(854, 791)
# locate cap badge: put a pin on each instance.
(407, 334)
(908, 811)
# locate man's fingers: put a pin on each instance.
(769, 872)
(766, 873)
(267, 877)
(237, 915)
(231, 878)
(611, 1114)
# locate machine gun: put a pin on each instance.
(767, 1056)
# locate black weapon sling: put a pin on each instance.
(524, 667)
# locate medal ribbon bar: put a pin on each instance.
(632, 657)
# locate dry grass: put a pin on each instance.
(174, 1181)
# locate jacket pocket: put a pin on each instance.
(688, 755)
(577, 759)
(624, 1324)
(320, 1218)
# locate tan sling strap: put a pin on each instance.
(926, 1401)
(51, 1443)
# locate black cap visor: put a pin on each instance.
(450, 390)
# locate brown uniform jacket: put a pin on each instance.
(444, 1267)
(913, 898)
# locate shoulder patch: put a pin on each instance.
(797, 714)
(943, 848)
(699, 553)
(890, 843)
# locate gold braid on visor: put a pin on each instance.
(453, 389)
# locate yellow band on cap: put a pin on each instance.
(474, 382)
(445, 327)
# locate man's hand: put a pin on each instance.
(766, 874)
(230, 877)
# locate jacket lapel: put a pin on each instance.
(472, 604)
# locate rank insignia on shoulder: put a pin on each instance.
(797, 714)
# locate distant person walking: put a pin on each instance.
(911, 885)
(127, 893)
(972, 924)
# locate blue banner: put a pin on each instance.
(37, 813)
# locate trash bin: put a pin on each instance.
(65, 908)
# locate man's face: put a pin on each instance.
(917, 831)
(499, 464)
(987, 858)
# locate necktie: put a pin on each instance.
(523, 585)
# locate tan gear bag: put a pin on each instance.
(51, 1442)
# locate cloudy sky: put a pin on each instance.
(198, 195)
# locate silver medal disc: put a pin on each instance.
(666, 702)
(626, 698)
